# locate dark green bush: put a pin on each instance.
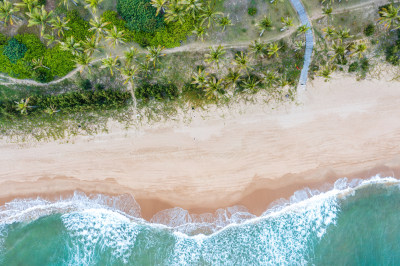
(140, 15)
(353, 67)
(365, 64)
(369, 30)
(14, 50)
(252, 11)
(157, 92)
(79, 28)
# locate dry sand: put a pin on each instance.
(341, 128)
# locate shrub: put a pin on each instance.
(115, 20)
(353, 67)
(157, 92)
(252, 11)
(365, 64)
(14, 50)
(79, 28)
(393, 54)
(140, 15)
(369, 30)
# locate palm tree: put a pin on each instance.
(71, 45)
(330, 32)
(200, 31)
(65, 3)
(298, 45)
(225, 21)
(215, 55)
(27, 4)
(302, 29)
(326, 72)
(200, 78)
(175, 12)
(270, 79)
(360, 50)
(22, 106)
(210, 15)
(98, 26)
(232, 78)
(7, 11)
(287, 22)
(264, 24)
(59, 25)
(155, 53)
(82, 61)
(129, 74)
(130, 54)
(273, 49)
(257, 48)
(343, 34)
(39, 17)
(38, 63)
(390, 16)
(327, 11)
(194, 7)
(242, 62)
(109, 63)
(50, 38)
(330, 1)
(93, 4)
(90, 45)
(160, 5)
(213, 88)
(51, 110)
(250, 84)
(145, 68)
(115, 37)
(339, 52)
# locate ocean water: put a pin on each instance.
(356, 223)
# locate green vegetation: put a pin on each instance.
(14, 50)
(252, 11)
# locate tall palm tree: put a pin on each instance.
(115, 37)
(59, 25)
(214, 88)
(390, 16)
(343, 34)
(98, 26)
(27, 5)
(130, 55)
(272, 49)
(155, 53)
(270, 79)
(82, 61)
(215, 55)
(209, 14)
(360, 50)
(287, 22)
(93, 4)
(298, 45)
(302, 29)
(23, 105)
(264, 24)
(241, 60)
(257, 49)
(7, 11)
(129, 74)
(339, 52)
(194, 7)
(90, 45)
(330, 32)
(232, 78)
(39, 17)
(110, 63)
(327, 11)
(225, 21)
(200, 32)
(71, 45)
(66, 3)
(175, 12)
(160, 5)
(200, 78)
(326, 72)
(250, 84)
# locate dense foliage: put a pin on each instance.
(140, 15)
(14, 50)
(369, 30)
(79, 28)
(158, 92)
(393, 51)
(54, 61)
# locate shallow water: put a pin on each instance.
(351, 224)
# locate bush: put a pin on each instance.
(140, 15)
(353, 67)
(14, 50)
(365, 64)
(157, 92)
(79, 28)
(369, 30)
(252, 11)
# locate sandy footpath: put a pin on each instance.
(340, 128)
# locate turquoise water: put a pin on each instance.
(352, 224)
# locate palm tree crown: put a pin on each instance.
(215, 55)
(39, 17)
(7, 11)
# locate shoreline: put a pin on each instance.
(343, 128)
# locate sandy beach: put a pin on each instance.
(343, 128)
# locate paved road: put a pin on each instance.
(304, 19)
